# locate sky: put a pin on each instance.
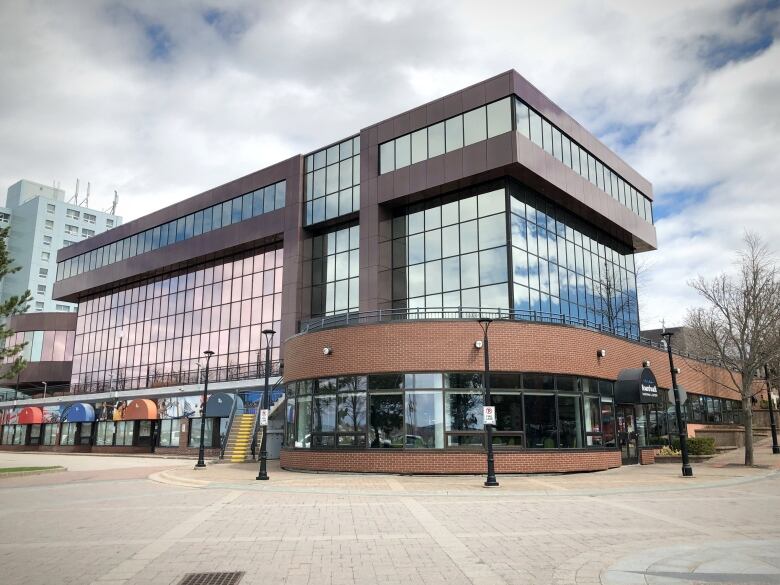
(164, 100)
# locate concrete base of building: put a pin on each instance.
(430, 462)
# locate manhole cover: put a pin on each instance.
(212, 578)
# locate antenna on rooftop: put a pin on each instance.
(75, 197)
(86, 201)
(115, 203)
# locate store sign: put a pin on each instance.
(489, 415)
(637, 386)
(264, 417)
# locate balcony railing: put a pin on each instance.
(154, 379)
(466, 313)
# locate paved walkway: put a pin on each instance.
(621, 527)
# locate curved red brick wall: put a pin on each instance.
(448, 462)
(436, 346)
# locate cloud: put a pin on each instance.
(162, 100)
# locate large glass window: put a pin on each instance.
(452, 253)
(166, 322)
(563, 267)
(541, 429)
(335, 268)
(424, 420)
(194, 224)
(386, 420)
(454, 133)
(332, 181)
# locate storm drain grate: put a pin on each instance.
(212, 578)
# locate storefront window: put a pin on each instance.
(124, 433)
(424, 420)
(68, 433)
(208, 436)
(570, 422)
(170, 432)
(463, 412)
(607, 422)
(509, 418)
(540, 421)
(49, 434)
(303, 422)
(386, 420)
(20, 434)
(592, 420)
(351, 418)
(324, 421)
(105, 433)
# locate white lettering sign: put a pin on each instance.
(489, 415)
(263, 417)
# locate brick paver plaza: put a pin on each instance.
(105, 521)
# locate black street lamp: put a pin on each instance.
(263, 473)
(491, 469)
(201, 450)
(687, 471)
(775, 446)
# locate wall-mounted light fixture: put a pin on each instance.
(478, 344)
(327, 350)
(646, 364)
(676, 370)
(601, 353)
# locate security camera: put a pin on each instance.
(601, 353)
(327, 351)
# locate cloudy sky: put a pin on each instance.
(163, 100)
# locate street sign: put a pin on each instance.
(489, 415)
(683, 395)
(263, 417)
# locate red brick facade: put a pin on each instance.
(444, 461)
(448, 346)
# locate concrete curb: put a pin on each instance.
(168, 478)
(31, 472)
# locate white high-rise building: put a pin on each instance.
(41, 223)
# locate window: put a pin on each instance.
(89, 218)
(87, 233)
(67, 242)
(71, 230)
(62, 308)
(68, 433)
(50, 208)
(5, 217)
(332, 181)
(109, 223)
(39, 306)
(72, 214)
(41, 289)
(43, 273)
(49, 224)
(335, 268)
(169, 432)
(45, 256)
(104, 434)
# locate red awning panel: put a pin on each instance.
(30, 415)
(141, 409)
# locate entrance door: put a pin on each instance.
(626, 434)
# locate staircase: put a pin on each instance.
(240, 438)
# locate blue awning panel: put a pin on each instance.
(79, 412)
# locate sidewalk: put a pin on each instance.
(719, 471)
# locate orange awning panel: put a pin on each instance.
(30, 415)
(141, 409)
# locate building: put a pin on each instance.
(372, 259)
(41, 223)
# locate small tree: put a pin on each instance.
(740, 324)
(11, 360)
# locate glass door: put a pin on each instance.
(626, 432)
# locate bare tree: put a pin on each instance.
(11, 360)
(740, 324)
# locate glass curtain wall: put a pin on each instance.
(332, 181)
(452, 253)
(444, 410)
(562, 266)
(335, 269)
(43, 346)
(164, 324)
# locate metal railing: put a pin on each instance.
(153, 379)
(469, 313)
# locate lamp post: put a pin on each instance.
(775, 446)
(263, 473)
(200, 464)
(491, 469)
(687, 471)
